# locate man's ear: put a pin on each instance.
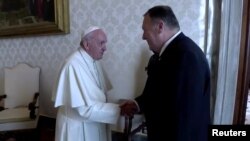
(85, 45)
(160, 26)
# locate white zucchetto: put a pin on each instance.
(90, 29)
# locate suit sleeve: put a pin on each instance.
(190, 96)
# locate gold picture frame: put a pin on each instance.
(33, 17)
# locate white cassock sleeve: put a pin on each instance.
(100, 112)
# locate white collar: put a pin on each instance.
(168, 42)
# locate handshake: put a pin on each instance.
(128, 107)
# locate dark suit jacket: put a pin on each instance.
(175, 100)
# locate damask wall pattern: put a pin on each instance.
(126, 56)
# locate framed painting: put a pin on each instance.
(33, 17)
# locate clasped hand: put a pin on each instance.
(128, 108)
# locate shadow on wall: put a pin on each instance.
(140, 71)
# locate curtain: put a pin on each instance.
(222, 48)
(212, 44)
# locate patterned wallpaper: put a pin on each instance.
(127, 53)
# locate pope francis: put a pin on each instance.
(79, 93)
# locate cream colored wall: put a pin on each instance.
(127, 53)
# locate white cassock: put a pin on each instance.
(83, 112)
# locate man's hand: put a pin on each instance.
(128, 108)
